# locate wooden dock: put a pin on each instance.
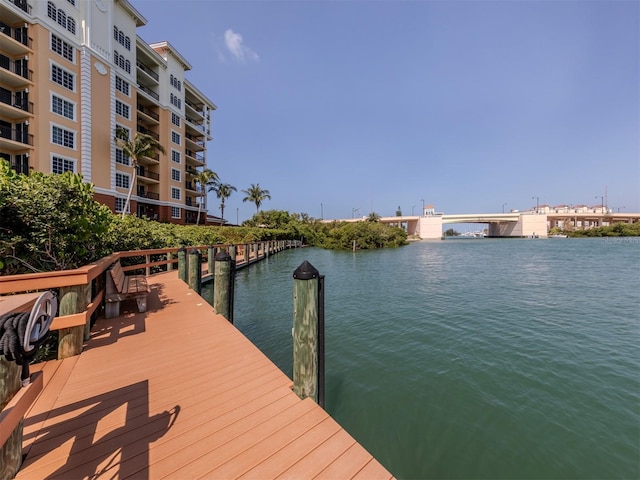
(179, 392)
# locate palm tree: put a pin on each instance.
(205, 178)
(142, 145)
(373, 217)
(223, 191)
(256, 195)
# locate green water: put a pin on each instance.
(473, 358)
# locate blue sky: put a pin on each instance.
(467, 105)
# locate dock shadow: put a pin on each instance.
(119, 452)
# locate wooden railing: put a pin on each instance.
(82, 290)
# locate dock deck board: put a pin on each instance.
(179, 392)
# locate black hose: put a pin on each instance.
(12, 332)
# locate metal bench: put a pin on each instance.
(122, 287)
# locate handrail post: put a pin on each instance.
(223, 284)
(195, 271)
(182, 264)
(147, 259)
(232, 254)
(170, 260)
(11, 451)
(308, 333)
(73, 299)
(211, 252)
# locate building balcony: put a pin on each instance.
(15, 41)
(194, 159)
(147, 176)
(17, 74)
(146, 131)
(146, 90)
(14, 139)
(147, 71)
(195, 143)
(22, 5)
(145, 160)
(148, 195)
(148, 115)
(15, 107)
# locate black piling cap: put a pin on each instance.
(305, 271)
(222, 256)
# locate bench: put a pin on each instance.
(122, 287)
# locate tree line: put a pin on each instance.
(51, 222)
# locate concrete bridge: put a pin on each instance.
(510, 224)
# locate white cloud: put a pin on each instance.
(233, 41)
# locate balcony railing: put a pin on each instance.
(19, 35)
(147, 174)
(16, 135)
(148, 112)
(22, 5)
(147, 70)
(146, 131)
(190, 186)
(148, 91)
(19, 68)
(149, 195)
(17, 103)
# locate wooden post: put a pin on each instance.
(195, 270)
(232, 254)
(308, 333)
(147, 260)
(73, 299)
(211, 253)
(246, 253)
(182, 264)
(170, 260)
(11, 451)
(223, 286)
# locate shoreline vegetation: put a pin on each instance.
(51, 222)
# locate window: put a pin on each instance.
(62, 77)
(122, 158)
(175, 212)
(175, 137)
(121, 38)
(61, 47)
(62, 107)
(121, 62)
(120, 205)
(63, 137)
(175, 119)
(175, 175)
(122, 109)
(61, 165)
(175, 100)
(175, 193)
(175, 156)
(122, 85)
(60, 17)
(72, 2)
(175, 83)
(122, 180)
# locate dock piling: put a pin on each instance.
(182, 264)
(223, 284)
(195, 270)
(308, 333)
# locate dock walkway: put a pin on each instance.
(179, 392)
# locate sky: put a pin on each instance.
(343, 107)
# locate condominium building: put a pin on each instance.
(71, 73)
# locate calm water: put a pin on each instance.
(473, 358)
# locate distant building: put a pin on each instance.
(71, 72)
